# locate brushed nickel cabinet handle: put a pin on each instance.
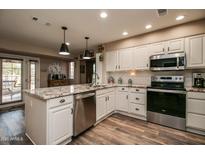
(62, 100)
(137, 90)
(137, 109)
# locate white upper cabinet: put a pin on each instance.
(176, 45)
(125, 59)
(195, 51)
(141, 57)
(157, 48)
(111, 60)
(166, 47)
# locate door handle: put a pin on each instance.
(127, 96)
(108, 98)
(71, 110)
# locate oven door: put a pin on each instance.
(169, 102)
(164, 64)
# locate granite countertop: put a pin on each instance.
(54, 92)
(192, 89)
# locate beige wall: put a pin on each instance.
(143, 77)
(187, 29)
(44, 63)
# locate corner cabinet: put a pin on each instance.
(195, 51)
(105, 102)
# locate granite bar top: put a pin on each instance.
(55, 92)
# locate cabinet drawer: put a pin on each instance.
(137, 98)
(196, 106)
(122, 89)
(104, 91)
(196, 95)
(137, 90)
(60, 101)
(137, 109)
(196, 121)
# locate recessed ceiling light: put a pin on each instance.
(67, 43)
(125, 33)
(180, 17)
(103, 15)
(148, 26)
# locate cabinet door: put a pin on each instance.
(141, 58)
(125, 58)
(195, 51)
(111, 102)
(176, 45)
(101, 106)
(157, 48)
(60, 123)
(111, 60)
(122, 101)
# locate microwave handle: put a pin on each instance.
(177, 62)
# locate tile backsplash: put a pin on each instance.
(144, 77)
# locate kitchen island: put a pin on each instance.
(49, 111)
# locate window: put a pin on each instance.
(71, 70)
(32, 75)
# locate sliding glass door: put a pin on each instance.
(11, 80)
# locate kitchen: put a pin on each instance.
(136, 86)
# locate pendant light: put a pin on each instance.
(87, 54)
(64, 48)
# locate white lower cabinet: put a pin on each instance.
(101, 107)
(60, 123)
(132, 101)
(122, 101)
(195, 111)
(49, 121)
(105, 102)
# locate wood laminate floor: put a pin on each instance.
(116, 129)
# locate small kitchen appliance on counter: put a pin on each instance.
(198, 80)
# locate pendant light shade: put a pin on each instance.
(64, 48)
(86, 54)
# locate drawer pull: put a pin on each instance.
(137, 109)
(62, 100)
(137, 98)
(137, 89)
(123, 88)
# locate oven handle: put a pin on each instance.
(167, 91)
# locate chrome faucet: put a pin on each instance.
(94, 81)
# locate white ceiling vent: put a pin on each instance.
(162, 12)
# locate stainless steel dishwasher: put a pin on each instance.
(84, 111)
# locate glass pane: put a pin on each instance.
(11, 80)
(32, 75)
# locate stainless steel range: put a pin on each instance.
(166, 101)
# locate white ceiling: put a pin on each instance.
(17, 25)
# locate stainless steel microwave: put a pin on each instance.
(174, 61)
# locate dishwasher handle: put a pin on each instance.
(86, 95)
